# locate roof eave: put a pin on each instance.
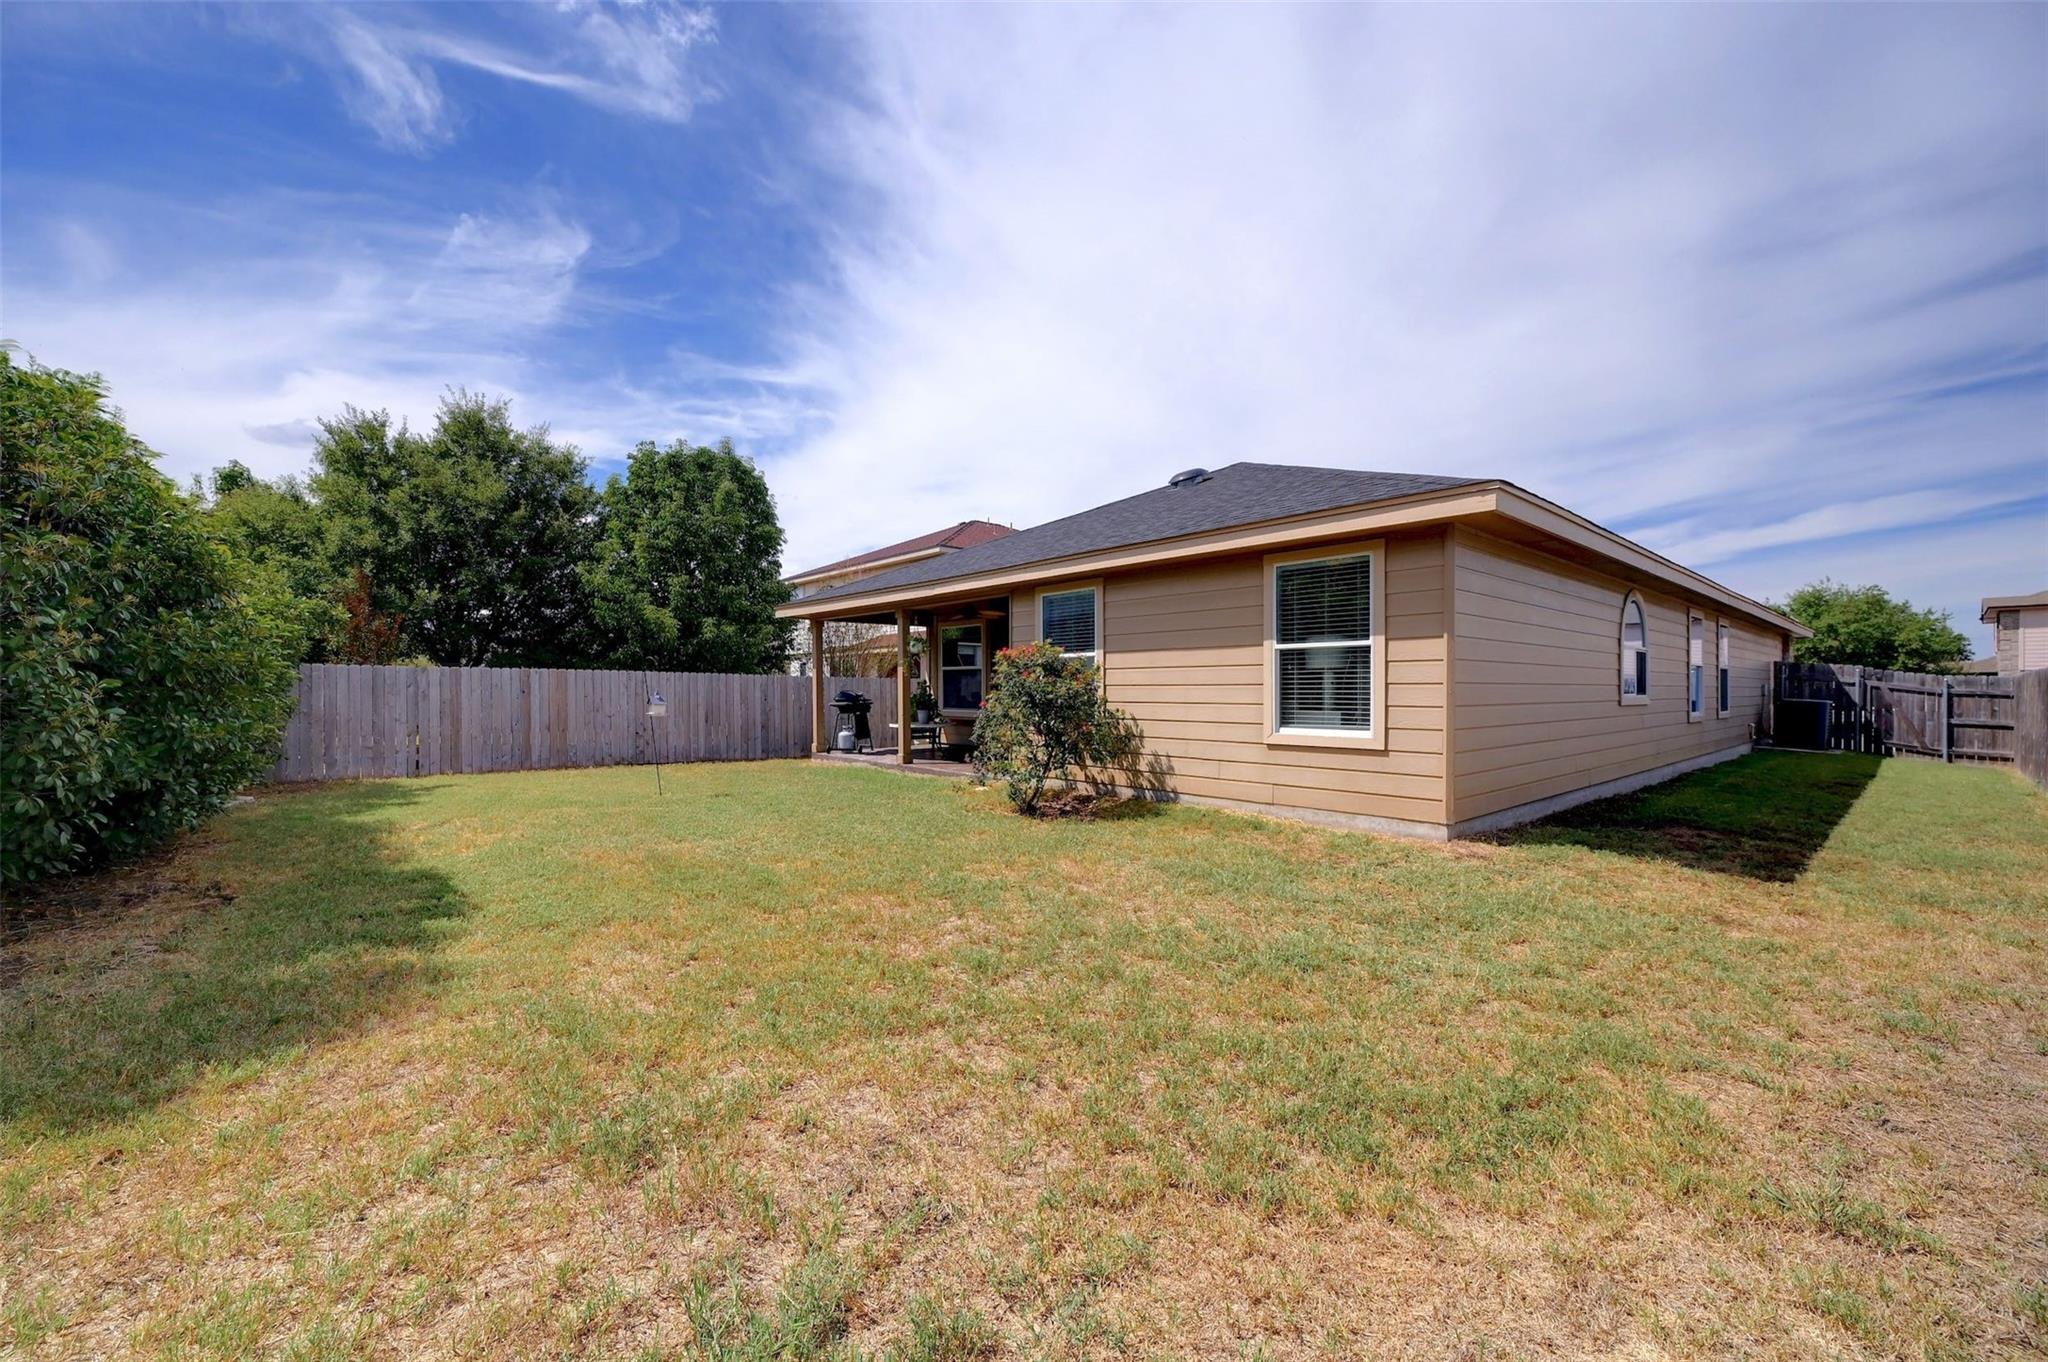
(1544, 514)
(1452, 503)
(1990, 606)
(1387, 513)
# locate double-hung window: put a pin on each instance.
(1695, 667)
(1326, 673)
(1721, 665)
(1635, 652)
(960, 666)
(1071, 620)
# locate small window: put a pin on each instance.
(1635, 652)
(960, 666)
(1069, 620)
(1323, 646)
(1695, 667)
(1721, 663)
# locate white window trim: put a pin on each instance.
(1641, 697)
(939, 628)
(1695, 713)
(1374, 738)
(1093, 585)
(1724, 667)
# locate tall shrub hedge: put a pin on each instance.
(148, 672)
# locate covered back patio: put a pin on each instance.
(960, 639)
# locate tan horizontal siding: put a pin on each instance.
(1535, 696)
(1412, 730)
(1023, 619)
(1417, 706)
(1184, 653)
(1134, 661)
(2033, 640)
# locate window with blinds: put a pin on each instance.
(1323, 641)
(1067, 620)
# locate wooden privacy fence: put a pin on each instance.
(426, 721)
(2030, 725)
(1954, 718)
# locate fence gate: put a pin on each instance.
(1955, 718)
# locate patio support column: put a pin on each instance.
(818, 743)
(903, 714)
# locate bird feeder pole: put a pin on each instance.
(656, 708)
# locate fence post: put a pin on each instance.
(1947, 720)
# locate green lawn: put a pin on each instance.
(806, 1061)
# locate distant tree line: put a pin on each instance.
(481, 544)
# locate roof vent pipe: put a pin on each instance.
(1188, 478)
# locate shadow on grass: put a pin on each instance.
(1129, 808)
(1762, 817)
(141, 980)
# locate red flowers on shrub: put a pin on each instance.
(1045, 722)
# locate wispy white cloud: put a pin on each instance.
(518, 273)
(87, 256)
(372, 304)
(1949, 566)
(1692, 542)
(386, 86)
(632, 60)
(371, 311)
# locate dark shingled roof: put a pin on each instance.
(1242, 494)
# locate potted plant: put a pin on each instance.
(921, 702)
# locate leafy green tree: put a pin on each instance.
(1045, 721)
(1863, 626)
(231, 476)
(280, 528)
(688, 568)
(472, 536)
(148, 670)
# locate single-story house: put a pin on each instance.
(2022, 624)
(1433, 656)
(857, 645)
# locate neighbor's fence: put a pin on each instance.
(426, 721)
(2030, 725)
(1954, 718)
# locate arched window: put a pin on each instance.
(1635, 652)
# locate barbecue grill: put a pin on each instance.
(853, 732)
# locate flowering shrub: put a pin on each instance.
(1045, 721)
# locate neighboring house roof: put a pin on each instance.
(1287, 502)
(965, 535)
(1237, 495)
(1993, 604)
(1981, 666)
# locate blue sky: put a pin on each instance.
(1765, 288)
